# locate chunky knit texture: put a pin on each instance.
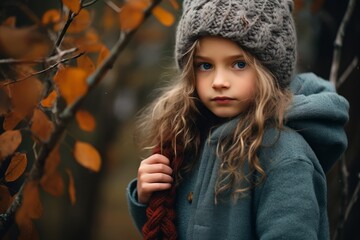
(264, 28)
(161, 211)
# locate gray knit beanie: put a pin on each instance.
(264, 28)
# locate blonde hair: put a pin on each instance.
(172, 118)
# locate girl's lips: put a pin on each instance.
(222, 99)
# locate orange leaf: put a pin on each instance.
(104, 53)
(49, 100)
(31, 205)
(52, 161)
(53, 184)
(73, 5)
(175, 4)
(165, 17)
(52, 16)
(87, 156)
(85, 63)
(41, 126)
(5, 198)
(10, 22)
(27, 229)
(13, 118)
(72, 83)
(16, 167)
(71, 189)
(108, 20)
(85, 120)
(132, 14)
(80, 22)
(9, 142)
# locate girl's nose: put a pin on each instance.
(220, 80)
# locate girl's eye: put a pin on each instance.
(240, 64)
(204, 66)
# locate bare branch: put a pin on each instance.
(112, 5)
(347, 72)
(353, 199)
(339, 42)
(84, 5)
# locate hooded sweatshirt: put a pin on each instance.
(291, 202)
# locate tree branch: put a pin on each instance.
(339, 42)
(37, 169)
(347, 72)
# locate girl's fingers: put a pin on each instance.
(156, 158)
(155, 168)
(156, 178)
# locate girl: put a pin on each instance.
(239, 150)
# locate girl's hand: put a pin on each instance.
(154, 174)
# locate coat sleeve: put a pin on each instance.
(136, 209)
(292, 203)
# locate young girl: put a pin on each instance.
(239, 147)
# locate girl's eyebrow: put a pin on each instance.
(238, 56)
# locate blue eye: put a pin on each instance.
(205, 66)
(240, 64)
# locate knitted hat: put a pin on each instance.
(264, 28)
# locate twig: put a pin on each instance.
(339, 42)
(347, 72)
(37, 168)
(353, 200)
(44, 60)
(112, 5)
(84, 5)
(44, 70)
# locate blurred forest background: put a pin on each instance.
(100, 211)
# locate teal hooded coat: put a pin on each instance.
(291, 203)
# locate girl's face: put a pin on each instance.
(225, 82)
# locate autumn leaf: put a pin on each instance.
(85, 120)
(5, 198)
(87, 156)
(72, 83)
(84, 62)
(107, 21)
(27, 230)
(163, 16)
(9, 142)
(71, 188)
(103, 54)
(13, 118)
(10, 22)
(16, 167)
(49, 101)
(73, 5)
(41, 126)
(132, 14)
(52, 16)
(174, 4)
(81, 22)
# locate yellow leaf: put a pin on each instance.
(73, 5)
(85, 120)
(72, 83)
(41, 126)
(87, 156)
(5, 198)
(85, 63)
(71, 188)
(9, 142)
(16, 167)
(165, 17)
(49, 100)
(103, 54)
(80, 22)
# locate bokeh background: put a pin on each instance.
(100, 212)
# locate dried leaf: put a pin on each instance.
(5, 198)
(13, 118)
(10, 22)
(80, 22)
(9, 142)
(49, 100)
(175, 4)
(163, 16)
(85, 120)
(132, 14)
(71, 188)
(87, 156)
(52, 161)
(41, 126)
(27, 230)
(16, 167)
(31, 205)
(103, 54)
(52, 16)
(72, 83)
(53, 184)
(4, 102)
(85, 63)
(73, 5)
